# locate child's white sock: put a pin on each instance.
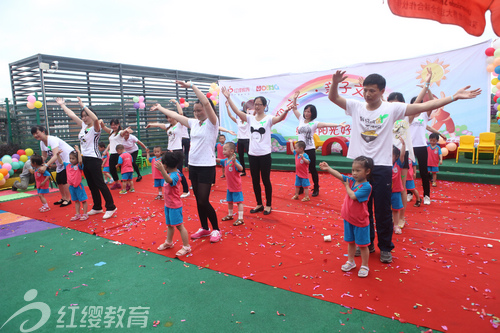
(230, 212)
(240, 215)
(45, 205)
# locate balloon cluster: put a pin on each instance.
(213, 93)
(183, 103)
(450, 147)
(9, 163)
(139, 102)
(493, 66)
(33, 103)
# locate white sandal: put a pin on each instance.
(363, 271)
(348, 266)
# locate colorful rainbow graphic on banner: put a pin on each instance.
(314, 89)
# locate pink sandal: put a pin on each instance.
(76, 217)
(84, 217)
(44, 209)
(165, 246)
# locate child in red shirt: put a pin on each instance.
(301, 170)
(74, 172)
(125, 161)
(173, 203)
(355, 211)
(234, 190)
(219, 147)
(397, 187)
(42, 181)
(157, 176)
(435, 157)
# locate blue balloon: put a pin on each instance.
(498, 121)
(497, 69)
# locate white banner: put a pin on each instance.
(451, 71)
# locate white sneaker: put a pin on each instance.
(187, 194)
(109, 213)
(94, 212)
(427, 200)
(409, 197)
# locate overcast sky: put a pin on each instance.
(244, 39)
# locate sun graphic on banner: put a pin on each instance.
(438, 71)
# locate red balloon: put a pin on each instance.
(209, 94)
(182, 100)
(489, 51)
(21, 152)
(495, 98)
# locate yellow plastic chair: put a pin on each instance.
(467, 146)
(317, 141)
(486, 145)
(497, 154)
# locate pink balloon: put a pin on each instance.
(7, 176)
(31, 99)
(31, 105)
(14, 159)
(182, 105)
(141, 99)
(141, 105)
(7, 166)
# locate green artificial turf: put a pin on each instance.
(60, 264)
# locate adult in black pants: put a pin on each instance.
(306, 129)
(89, 142)
(259, 153)
(115, 138)
(130, 143)
(204, 131)
(243, 132)
(418, 127)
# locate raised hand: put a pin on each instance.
(184, 84)
(429, 75)
(464, 93)
(225, 92)
(324, 166)
(173, 101)
(60, 101)
(343, 124)
(80, 102)
(155, 107)
(338, 77)
(159, 166)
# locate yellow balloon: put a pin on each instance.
(494, 81)
(23, 158)
(29, 152)
(38, 104)
(1, 176)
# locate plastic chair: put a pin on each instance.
(486, 145)
(497, 154)
(141, 160)
(467, 146)
(317, 141)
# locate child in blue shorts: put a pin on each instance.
(42, 181)
(301, 170)
(397, 187)
(234, 191)
(173, 203)
(355, 211)
(108, 179)
(157, 177)
(74, 172)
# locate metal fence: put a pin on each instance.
(108, 87)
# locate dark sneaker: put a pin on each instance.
(371, 248)
(386, 257)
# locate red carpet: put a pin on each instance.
(445, 269)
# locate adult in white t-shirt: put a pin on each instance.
(130, 143)
(115, 138)
(243, 135)
(89, 146)
(50, 146)
(186, 141)
(204, 131)
(259, 152)
(306, 129)
(371, 136)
